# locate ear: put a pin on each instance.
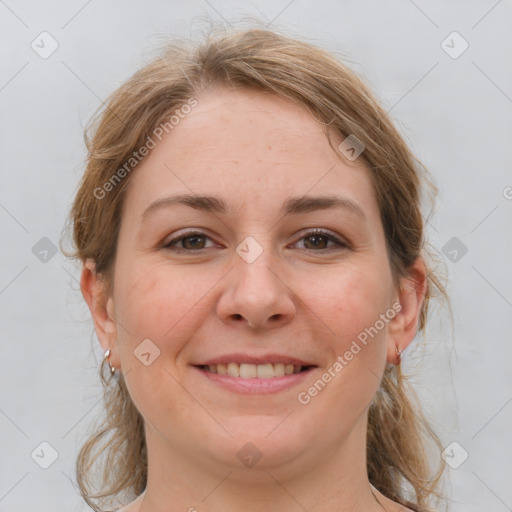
(403, 327)
(101, 307)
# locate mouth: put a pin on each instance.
(254, 379)
(255, 371)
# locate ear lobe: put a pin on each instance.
(403, 327)
(95, 294)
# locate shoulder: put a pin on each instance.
(390, 505)
(134, 506)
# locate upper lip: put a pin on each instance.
(253, 359)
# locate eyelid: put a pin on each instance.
(340, 242)
(180, 235)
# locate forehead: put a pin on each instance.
(251, 147)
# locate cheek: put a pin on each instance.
(356, 313)
(351, 306)
(164, 305)
(355, 301)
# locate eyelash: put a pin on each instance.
(308, 234)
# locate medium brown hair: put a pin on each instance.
(398, 433)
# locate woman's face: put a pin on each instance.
(251, 284)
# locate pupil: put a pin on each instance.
(196, 238)
(317, 238)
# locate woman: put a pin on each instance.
(254, 263)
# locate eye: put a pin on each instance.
(314, 240)
(318, 238)
(191, 239)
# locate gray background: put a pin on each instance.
(454, 112)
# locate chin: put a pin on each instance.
(261, 443)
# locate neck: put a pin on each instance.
(322, 481)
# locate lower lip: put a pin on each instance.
(256, 386)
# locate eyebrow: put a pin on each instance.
(292, 206)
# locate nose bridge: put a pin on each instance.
(256, 269)
(256, 293)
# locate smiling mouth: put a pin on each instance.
(254, 371)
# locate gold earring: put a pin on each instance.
(398, 355)
(105, 358)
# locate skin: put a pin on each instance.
(254, 150)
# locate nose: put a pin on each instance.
(256, 294)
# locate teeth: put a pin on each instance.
(234, 370)
(264, 371)
(278, 370)
(251, 371)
